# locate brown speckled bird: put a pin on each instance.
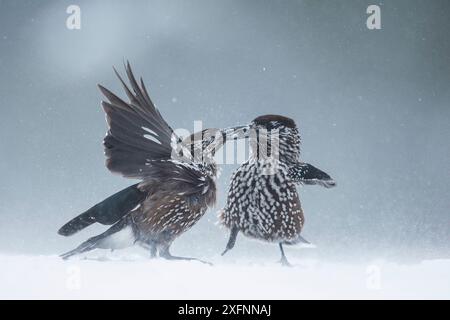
(177, 177)
(263, 202)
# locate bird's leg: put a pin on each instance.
(151, 246)
(284, 261)
(152, 251)
(232, 240)
(165, 253)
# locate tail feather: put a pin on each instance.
(106, 212)
(306, 173)
(86, 246)
(120, 235)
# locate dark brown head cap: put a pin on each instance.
(270, 120)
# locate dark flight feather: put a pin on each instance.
(137, 132)
(107, 212)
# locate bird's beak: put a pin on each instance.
(235, 133)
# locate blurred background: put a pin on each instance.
(372, 106)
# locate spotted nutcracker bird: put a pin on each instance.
(263, 202)
(176, 187)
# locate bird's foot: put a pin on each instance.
(204, 262)
(284, 262)
(170, 257)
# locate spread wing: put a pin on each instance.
(139, 143)
(137, 134)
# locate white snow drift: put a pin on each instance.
(40, 277)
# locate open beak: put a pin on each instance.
(235, 133)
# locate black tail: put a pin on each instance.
(106, 239)
(86, 246)
(106, 212)
(306, 173)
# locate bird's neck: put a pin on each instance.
(283, 146)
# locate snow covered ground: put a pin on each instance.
(135, 277)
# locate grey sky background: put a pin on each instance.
(373, 108)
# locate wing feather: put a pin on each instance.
(137, 132)
(138, 144)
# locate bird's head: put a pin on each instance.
(272, 122)
(267, 122)
(267, 133)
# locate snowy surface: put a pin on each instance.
(135, 277)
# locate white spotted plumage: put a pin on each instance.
(266, 206)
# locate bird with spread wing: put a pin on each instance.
(176, 185)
